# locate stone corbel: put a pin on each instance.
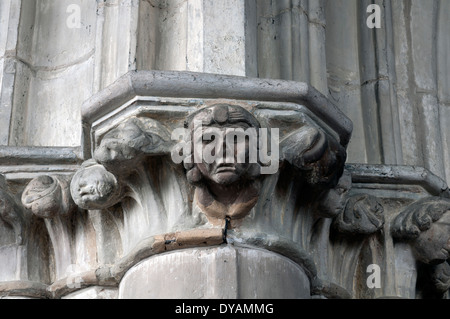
(131, 136)
(27, 256)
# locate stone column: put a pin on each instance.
(9, 21)
(198, 35)
(226, 272)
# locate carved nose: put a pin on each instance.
(86, 189)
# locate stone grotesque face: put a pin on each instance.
(334, 200)
(93, 187)
(221, 164)
(220, 131)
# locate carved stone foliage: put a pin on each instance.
(425, 225)
(363, 215)
(320, 157)
(47, 196)
(24, 253)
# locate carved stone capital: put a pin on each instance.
(178, 164)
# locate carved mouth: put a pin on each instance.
(225, 168)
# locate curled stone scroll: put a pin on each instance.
(425, 224)
(363, 214)
(46, 196)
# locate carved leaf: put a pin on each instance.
(362, 215)
(47, 196)
(418, 217)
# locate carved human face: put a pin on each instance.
(333, 202)
(94, 187)
(433, 245)
(114, 146)
(226, 143)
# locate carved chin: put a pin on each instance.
(94, 201)
(91, 202)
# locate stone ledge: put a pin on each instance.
(203, 85)
(399, 175)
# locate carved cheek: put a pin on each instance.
(105, 189)
(205, 169)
